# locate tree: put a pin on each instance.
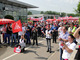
(63, 14)
(78, 7)
(41, 12)
(29, 13)
(9, 17)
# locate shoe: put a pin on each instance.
(33, 44)
(47, 50)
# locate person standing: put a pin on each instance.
(68, 47)
(48, 34)
(27, 34)
(54, 33)
(72, 28)
(34, 32)
(3, 31)
(8, 33)
(63, 37)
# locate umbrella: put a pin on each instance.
(58, 20)
(50, 20)
(6, 21)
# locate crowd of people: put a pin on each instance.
(64, 32)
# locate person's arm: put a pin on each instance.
(76, 33)
(67, 49)
(65, 40)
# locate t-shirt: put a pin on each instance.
(60, 29)
(47, 35)
(63, 36)
(8, 31)
(22, 32)
(3, 29)
(71, 46)
(78, 40)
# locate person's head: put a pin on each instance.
(71, 25)
(4, 25)
(22, 36)
(48, 28)
(26, 24)
(65, 29)
(8, 24)
(61, 25)
(71, 38)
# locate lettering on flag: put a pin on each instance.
(17, 26)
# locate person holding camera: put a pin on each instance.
(68, 47)
(63, 37)
(34, 35)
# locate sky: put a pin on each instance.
(67, 6)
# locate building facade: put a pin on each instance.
(14, 8)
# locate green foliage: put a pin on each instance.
(63, 14)
(78, 7)
(9, 17)
(41, 12)
(29, 13)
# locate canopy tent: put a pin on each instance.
(6, 21)
(68, 18)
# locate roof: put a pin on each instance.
(17, 3)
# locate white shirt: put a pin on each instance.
(22, 32)
(60, 29)
(63, 36)
(78, 40)
(66, 55)
(22, 43)
(47, 35)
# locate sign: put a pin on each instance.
(17, 26)
(36, 19)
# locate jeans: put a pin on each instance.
(13, 35)
(5, 37)
(19, 38)
(28, 38)
(35, 38)
(54, 38)
(48, 43)
(61, 52)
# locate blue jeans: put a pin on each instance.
(28, 38)
(61, 52)
(13, 35)
(5, 37)
(19, 38)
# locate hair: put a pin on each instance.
(72, 36)
(72, 24)
(66, 27)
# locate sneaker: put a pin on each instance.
(47, 50)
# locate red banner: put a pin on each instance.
(17, 26)
(36, 19)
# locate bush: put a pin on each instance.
(9, 17)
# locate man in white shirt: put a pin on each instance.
(63, 37)
(48, 38)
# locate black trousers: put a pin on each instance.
(35, 39)
(54, 38)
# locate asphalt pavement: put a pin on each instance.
(31, 52)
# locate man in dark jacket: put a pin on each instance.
(34, 32)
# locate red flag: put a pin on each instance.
(17, 26)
